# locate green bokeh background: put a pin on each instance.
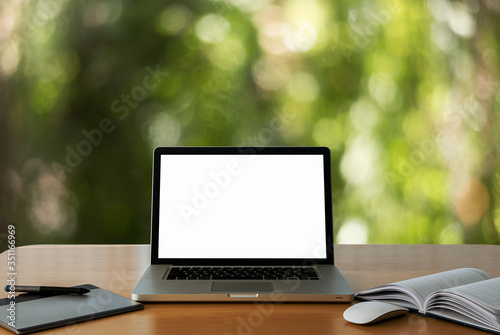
(404, 93)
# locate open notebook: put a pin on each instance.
(467, 296)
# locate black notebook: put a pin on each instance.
(31, 312)
(467, 296)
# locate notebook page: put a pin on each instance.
(424, 286)
(486, 293)
(445, 305)
(478, 302)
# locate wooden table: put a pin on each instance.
(119, 267)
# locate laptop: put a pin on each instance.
(235, 224)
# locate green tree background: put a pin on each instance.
(405, 94)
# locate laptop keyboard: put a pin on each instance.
(245, 273)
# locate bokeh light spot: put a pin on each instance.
(359, 164)
(229, 54)
(173, 19)
(303, 87)
(472, 201)
(248, 5)
(9, 59)
(354, 231)
(461, 22)
(328, 132)
(270, 73)
(451, 234)
(163, 130)
(364, 115)
(212, 28)
(95, 14)
(300, 38)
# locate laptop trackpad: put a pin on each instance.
(240, 287)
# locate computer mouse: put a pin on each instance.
(365, 313)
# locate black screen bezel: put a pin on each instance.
(324, 151)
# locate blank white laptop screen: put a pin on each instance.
(242, 206)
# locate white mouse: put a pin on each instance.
(369, 312)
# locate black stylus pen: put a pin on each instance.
(46, 289)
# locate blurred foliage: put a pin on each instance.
(405, 93)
